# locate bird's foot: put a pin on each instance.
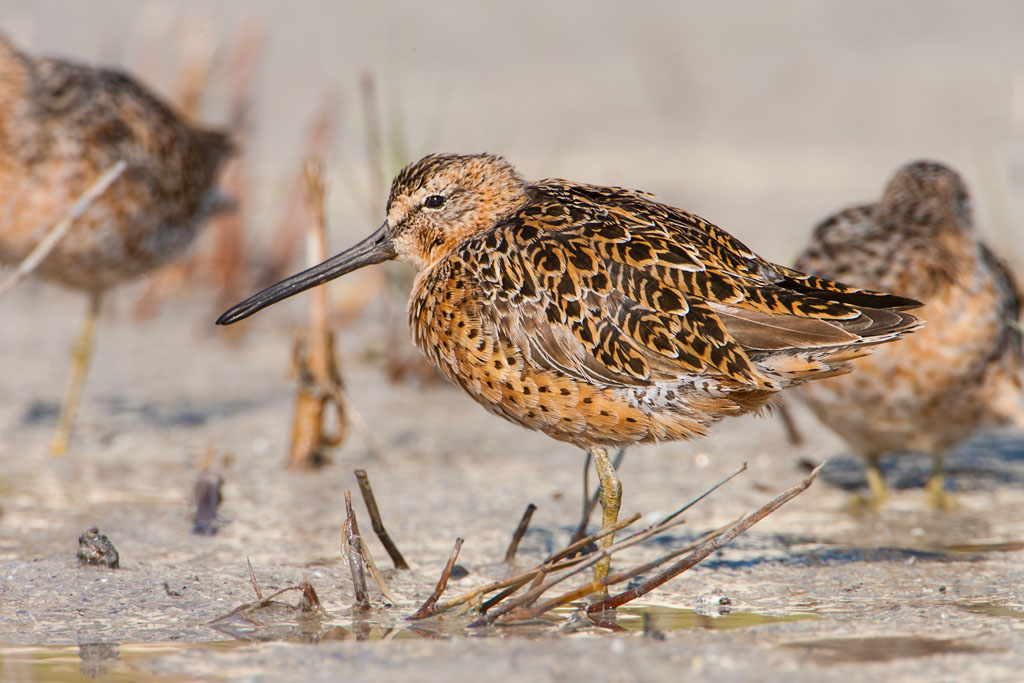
(937, 497)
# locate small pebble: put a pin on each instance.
(96, 549)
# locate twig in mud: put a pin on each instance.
(559, 567)
(351, 550)
(519, 580)
(442, 583)
(619, 577)
(563, 564)
(540, 588)
(315, 361)
(375, 521)
(364, 550)
(375, 574)
(740, 470)
(252, 577)
(551, 564)
(517, 535)
(707, 549)
(310, 601)
(61, 228)
(590, 500)
(559, 574)
(265, 614)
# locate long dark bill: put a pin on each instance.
(374, 249)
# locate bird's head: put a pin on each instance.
(929, 196)
(435, 204)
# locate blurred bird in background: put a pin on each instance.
(63, 125)
(963, 370)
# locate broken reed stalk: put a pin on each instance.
(315, 360)
(310, 601)
(375, 574)
(559, 574)
(427, 607)
(517, 535)
(351, 549)
(625, 575)
(554, 562)
(378, 525)
(252, 577)
(522, 579)
(630, 573)
(539, 588)
(62, 227)
(557, 561)
(590, 500)
(708, 548)
(316, 252)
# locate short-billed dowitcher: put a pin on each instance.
(599, 315)
(959, 373)
(61, 126)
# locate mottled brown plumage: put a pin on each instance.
(61, 126)
(963, 370)
(599, 315)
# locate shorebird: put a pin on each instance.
(61, 126)
(963, 370)
(599, 315)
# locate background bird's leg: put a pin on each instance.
(611, 497)
(793, 433)
(80, 354)
(877, 491)
(935, 490)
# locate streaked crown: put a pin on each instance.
(928, 195)
(443, 199)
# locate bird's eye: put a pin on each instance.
(434, 201)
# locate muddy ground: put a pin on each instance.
(762, 117)
(815, 590)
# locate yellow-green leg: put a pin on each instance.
(878, 492)
(611, 497)
(80, 354)
(935, 490)
(877, 489)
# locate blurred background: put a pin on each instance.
(762, 117)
